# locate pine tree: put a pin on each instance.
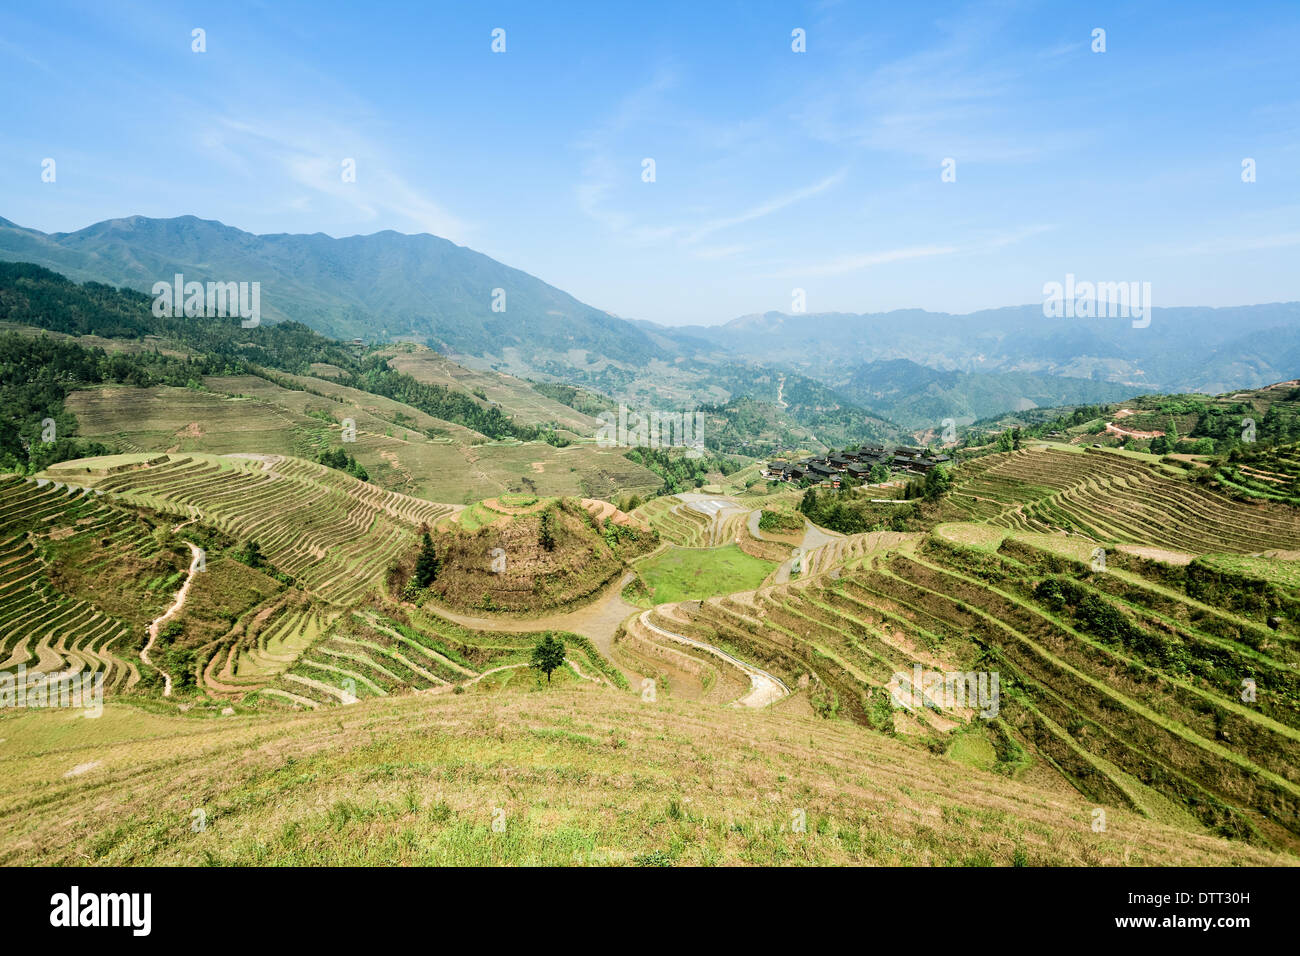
(426, 565)
(547, 536)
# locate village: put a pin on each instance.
(867, 464)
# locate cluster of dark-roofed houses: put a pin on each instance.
(855, 464)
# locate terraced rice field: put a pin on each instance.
(182, 419)
(1118, 499)
(1119, 688)
(1146, 715)
(276, 639)
(402, 448)
(367, 654)
(42, 628)
(526, 404)
(694, 521)
(333, 534)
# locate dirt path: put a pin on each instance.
(813, 538)
(573, 665)
(196, 555)
(597, 620)
(1113, 429)
(764, 688)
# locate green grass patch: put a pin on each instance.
(973, 749)
(686, 574)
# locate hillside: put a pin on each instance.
(922, 398)
(422, 780)
(389, 287)
(132, 382)
(385, 286)
(230, 528)
(1120, 686)
(85, 319)
(1247, 422)
(841, 374)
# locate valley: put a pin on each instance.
(315, 578)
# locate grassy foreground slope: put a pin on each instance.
(577, 774)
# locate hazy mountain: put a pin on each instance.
(383, 286)
(917, 397)
(1182, 349)
(389, 286)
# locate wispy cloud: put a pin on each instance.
(710, 253)
(856, 262)
(1233, 244)
(715, 146)
(311, 156)
(955, 96)
(841, 265)
(765, 208)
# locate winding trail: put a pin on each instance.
(598, 620)
(814, 538)
(196, 555)
(764, 689)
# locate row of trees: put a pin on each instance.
(678, 471)
(339, 459)
(36, 374)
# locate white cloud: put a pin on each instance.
(311, 156)
(765, 208)
(855, 262)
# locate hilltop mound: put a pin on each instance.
(529, 557)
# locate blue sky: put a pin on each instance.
(775, 170)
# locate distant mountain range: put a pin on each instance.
(386, 286)
(912, 367)
(1191, 349)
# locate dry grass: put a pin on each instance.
(575, 774)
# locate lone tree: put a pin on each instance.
(546, 537)
(426, 565)
(548, 655)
